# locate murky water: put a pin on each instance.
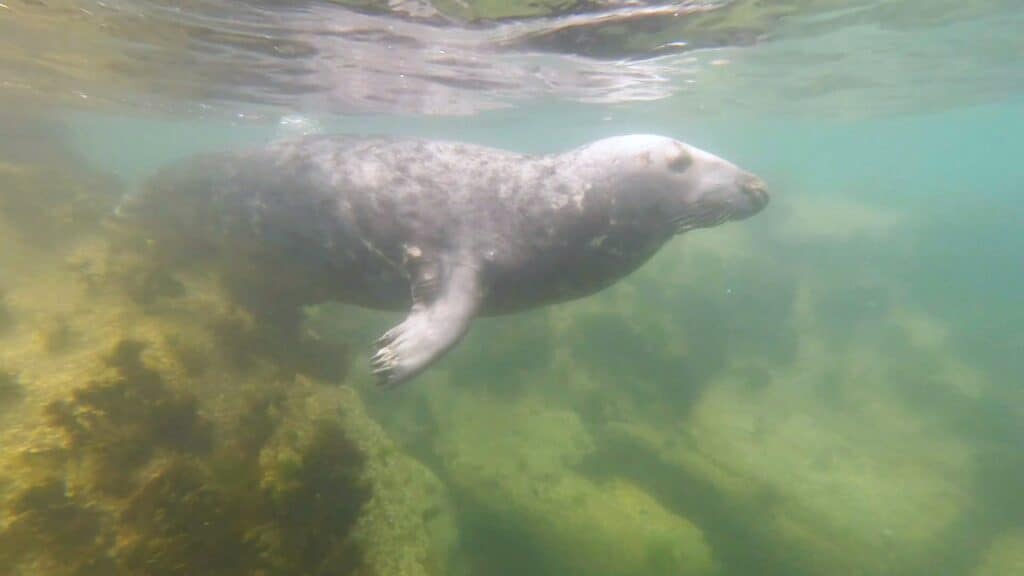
(830, 387)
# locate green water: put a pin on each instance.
(833, 387)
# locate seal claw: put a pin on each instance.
(429, 331)
(403, 350)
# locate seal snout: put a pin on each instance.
(755, 191)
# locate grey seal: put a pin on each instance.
(446, 230)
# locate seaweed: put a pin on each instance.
(206, 511)
(119, 421)
(230, 515)
(192, 358)
(45, 520)
(178, 523)
(195, 510)
(147, 485)
(315, 499)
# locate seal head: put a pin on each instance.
(673, 183)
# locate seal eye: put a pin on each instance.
(678, 159)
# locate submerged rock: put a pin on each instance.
(828, 492)
(300, 482)
(179, 522)
(117, 422)
(171, 441)
(408, 526)
(516, 465)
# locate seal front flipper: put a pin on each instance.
(443, 307)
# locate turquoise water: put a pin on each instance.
(831, 387)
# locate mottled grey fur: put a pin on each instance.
(447, 230)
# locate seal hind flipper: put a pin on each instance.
(440, 316)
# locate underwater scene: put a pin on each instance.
(393, 288)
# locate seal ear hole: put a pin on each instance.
(679, 160)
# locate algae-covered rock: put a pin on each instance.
(54, 532)
(118, 421)
(833, 463)
(179, 522)
(300, 482)
(408, 526)
(516, 466)
(271, 499)
(312, 475)
(609, 528)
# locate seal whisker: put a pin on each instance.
(694, 218)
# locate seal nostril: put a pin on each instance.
(757, 193)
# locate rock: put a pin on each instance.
(408, 526)
(516, 463)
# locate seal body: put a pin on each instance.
(446, 230)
